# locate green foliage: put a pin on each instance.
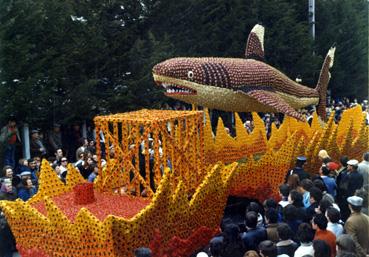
(68, 60)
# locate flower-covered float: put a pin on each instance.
(166, 182)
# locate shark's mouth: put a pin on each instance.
(171, 89)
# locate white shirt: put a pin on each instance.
(304, 249)
(335, 228)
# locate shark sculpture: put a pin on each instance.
(241, 85)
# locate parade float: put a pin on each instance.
(167, 176)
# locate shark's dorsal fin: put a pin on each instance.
(255, 43)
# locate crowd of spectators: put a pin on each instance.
(318, 215)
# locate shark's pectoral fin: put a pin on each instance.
(267, 96)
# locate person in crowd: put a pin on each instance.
(293, 181)
(33, 169)
(143, 252)
(58, 156)
(254, 235)
(319, 224)
(216, 247)
(8, 191)
(363, 193)
(63, 169)
(94, 173)
(342, 183)
(9, 136)
(345, 245)
(304, 189)
(285, 245)
(299, 169)
(267, 249)
(254, 206)
(363, 168)
(80, 158)
(305, 235)
(329, 182)
(296, 199)
(7, 173)
(355, 179)
(271, 220)
(83, 144)
(7, 241)
(86, 166)
(55, 138)
(232, 242)
(357, 225)
(26, 190)
(37, 147)
(333, 216)
(284, 191)
(315, 197)
(324, 156)
(91, 147)
(290, 216)
(324, 204)
(321, 248)
(22, 166)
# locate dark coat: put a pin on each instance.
(287, 247)
(253, 237)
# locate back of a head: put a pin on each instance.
(319, 183)
(268, 248)
(321, 248)
(284, 231)
(306, 184)
(216, 246)
(366, 156)
(333, 214)
(231, 233)
(345, 242)
(343, 160)
(253, 206)
(305, 233)
(272, 215)
(284, 189)
(297, 198)
(270, 203)
(143, 252)
(324, 204)
(316, 193)
(290, 212)
(321, 221)
(325, 170)
(293, 181)
(251, 219)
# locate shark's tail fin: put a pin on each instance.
(322, 85)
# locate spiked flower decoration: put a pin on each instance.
(264, 163)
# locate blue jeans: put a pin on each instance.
(9, 155)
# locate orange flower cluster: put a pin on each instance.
(145, 142)
(170, 212)
(266, 162)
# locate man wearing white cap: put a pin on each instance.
(357, 225)
(355, 179)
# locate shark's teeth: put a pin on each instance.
(181, 90)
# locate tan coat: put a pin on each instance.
(357, 225)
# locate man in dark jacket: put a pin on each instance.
(254, 235)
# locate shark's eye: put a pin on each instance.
(190, 74)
